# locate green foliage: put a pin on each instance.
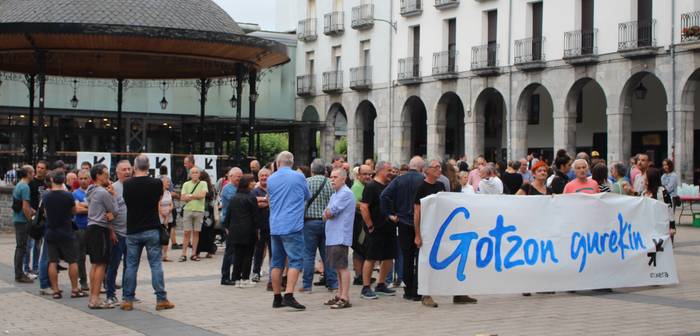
(271, 144)
(341, 146)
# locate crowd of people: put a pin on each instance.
(365, 217)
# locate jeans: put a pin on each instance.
(116, 256)
(44, 281)
(315, 238)
(33, 251)
(288, 247)
(397, 273)
(134, 246)
(21, 237)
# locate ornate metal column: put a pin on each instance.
(253, 95)
(240, 77)
(41, 64)
(202, 85)
(120, 102)
(30, 81)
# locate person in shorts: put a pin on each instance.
(61, 242)
(339, 217)
(193, 194)
(100, 234)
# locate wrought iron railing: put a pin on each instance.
(690, 26)
(409, 68)
(307, 30)
(485, 56)
(445, 62)
(411, 7)
(361, 77)
(305, 85)
(446, 3)
(636, 34)
(333, 80)
(333, 23)
(581, 43)
(529, 50)
(362, 16)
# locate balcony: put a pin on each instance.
(361, 78)
(306, 85)
(446, 4)
(409, 70)
(690, 30)
(637, 39)
(581, 47)
(333, 81)
(485, 59)
(307, 30)
(411, 8)
(445, 64)
(529, 53)
(333, 23)
(363, 17)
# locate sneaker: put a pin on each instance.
(321, 282)
(227, 283)
(382, 289)
(368, 293)
(247, 284)
(31, 275)
(113, 301)
(278, 302)
(238, 284)
(256, 278)
(429, 302)
(463, 299)
(341, 304)
(127, 305)
(24, 279)
(165, 304)
(290, 301)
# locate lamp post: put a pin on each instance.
(640, 92)
(163, 102)
(253, 96)
(74, 101)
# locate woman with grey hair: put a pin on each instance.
(621, 185)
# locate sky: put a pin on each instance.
(261, 12)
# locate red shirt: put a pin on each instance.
(576, 186)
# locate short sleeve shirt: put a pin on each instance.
(59, 216)
(288, 192)
(81, 221)
(21, 192)
(370, 196)
(194, 188)
(427, 189)
(576, 186)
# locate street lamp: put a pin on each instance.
(74, 101)
(163, 102)
(640, 92)
(233, 101)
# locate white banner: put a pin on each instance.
(489, 244)
(94, 158)
(156, 161)
(208, 163)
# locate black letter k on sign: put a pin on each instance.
(659, 245)
(207, 164)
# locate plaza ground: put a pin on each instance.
(203, 307)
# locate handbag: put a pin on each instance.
(37, 226)
(164, 236)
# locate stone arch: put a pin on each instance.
(491, 124)
(449, 127)
(644, 100)
(687, 146)
(415, 125)
(533, 123)
(334, 129)
(310, 133)
(365, 117)
(584, 125)
(310, 114)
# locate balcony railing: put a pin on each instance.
(581, 43)
(363, 16)
(411, 7)
(636, 34)
(485, 56)
(333, 23)
(529, 50)
(307, 30)
(409, 69)
(306, 85)
(690, 26)
(445, 4)
(445, 63)
(332, 81)
(361, 78)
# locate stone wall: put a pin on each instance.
(5, 208)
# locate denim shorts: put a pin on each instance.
(289, 246)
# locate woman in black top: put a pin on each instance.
(599, 173)
(562, 165)
(242, 224)
(206, 236)
(539, 182)
(655, 190)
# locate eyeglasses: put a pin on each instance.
(435, 167)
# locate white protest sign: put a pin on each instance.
(156, 161)
(498, 244)
(94, 158)
(208, 163)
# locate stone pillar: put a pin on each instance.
(302, 144)
(619, 123)
(473, 139)
(518, 134)
(401, 142)
(327, 143)
(383, 140)
(435, 145)
(354, 144)
(684, 143)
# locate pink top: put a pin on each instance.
(474, 178)
(634, 173)
(576, 186)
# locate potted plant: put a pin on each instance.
(691, 33)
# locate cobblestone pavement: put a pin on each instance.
(203, 307)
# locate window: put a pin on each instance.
(364, 53)
(310, 63)
(533, 115)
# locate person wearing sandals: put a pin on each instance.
(340, 217)
(100, 235)
(61, 242)
(165, 211)
(193, 195)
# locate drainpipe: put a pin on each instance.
(392, 30)
(509, 115)
(673, 82)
